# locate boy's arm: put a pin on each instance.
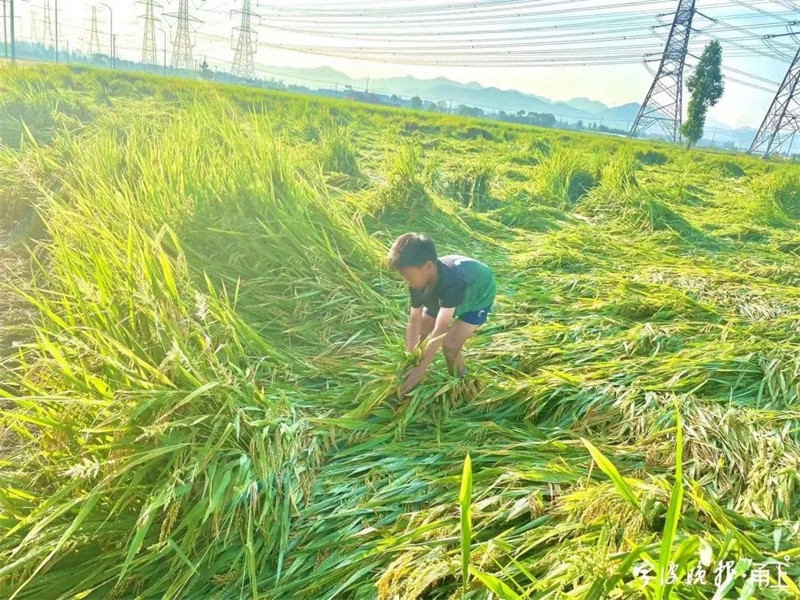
(414, 328)
(435, 340)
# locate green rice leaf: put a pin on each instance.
(673, 512)
(465, 501)
(496, 586)
(613, 474)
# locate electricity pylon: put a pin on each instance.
(664, 101)
(149, 32)
(94, 38)
(34, 30)
(246, 44)
(48, 39)
(783, 117)
(182, 42)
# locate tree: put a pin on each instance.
(416, 102)
(706, 86)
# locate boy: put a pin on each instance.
(451, 288)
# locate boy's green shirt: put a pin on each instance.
(464, 283)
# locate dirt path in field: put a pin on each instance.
(14, 269)
(14, 313)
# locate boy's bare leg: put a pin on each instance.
(459, 333)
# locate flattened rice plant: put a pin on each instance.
(205, 405)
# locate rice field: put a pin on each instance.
(202, 346)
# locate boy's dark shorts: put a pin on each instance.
(474, 317)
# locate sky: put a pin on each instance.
(612, 84)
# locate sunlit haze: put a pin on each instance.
(753, 69)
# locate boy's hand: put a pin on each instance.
(413, 377)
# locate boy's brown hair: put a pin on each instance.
(411, 250)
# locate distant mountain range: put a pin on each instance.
(493, 99)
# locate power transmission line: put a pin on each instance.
(752, 6)
(641, 22)
(398, 19)
(541, 57)
(407, 8)
(764, 39)
(594, 44)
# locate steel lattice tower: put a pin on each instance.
(149, 33)
(48, 40)
(783, 117)
(664, 101)
(34, 31)
(94, 38)
(182, 42)
(246, 41)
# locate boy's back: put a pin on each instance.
(480, 285)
